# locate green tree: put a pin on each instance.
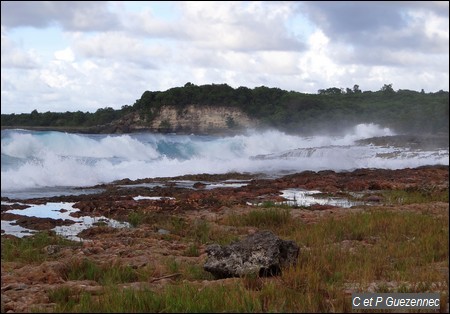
(387, 89)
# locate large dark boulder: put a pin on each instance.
(262, 254)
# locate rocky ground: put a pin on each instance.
(151, 245)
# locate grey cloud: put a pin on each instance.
(383, 24)
(439, 8)
(342, 18)
(71, 15)
(374, 29)
(392, 58)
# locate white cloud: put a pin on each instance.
(237, 26)
(434, 27)
(317, 62)
(119, 46)
(54, 78)
(110, 56)
(12, 56)
(65, 55)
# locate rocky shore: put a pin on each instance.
(175, 218)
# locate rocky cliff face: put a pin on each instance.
(202, 119)
(190, 119)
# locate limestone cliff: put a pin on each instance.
(190, 119)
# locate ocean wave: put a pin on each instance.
(33, 159)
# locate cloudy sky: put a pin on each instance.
(68, 55)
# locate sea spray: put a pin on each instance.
(33, 159)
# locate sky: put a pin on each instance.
(84, 55)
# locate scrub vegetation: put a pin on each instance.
(330, 110)
(376, 249)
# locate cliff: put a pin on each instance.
(190, 119)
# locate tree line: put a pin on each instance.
(331, 109)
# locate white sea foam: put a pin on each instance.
(50, 159)
(73, 145)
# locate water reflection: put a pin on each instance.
(305, 198)
(56, 211)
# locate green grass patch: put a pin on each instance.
(200, 231)
(270, 217)
(223, 236)
(86, 269)
(172, 265)
(61, 295)
(30, 249)
(192, 250)
(158, 219)
(135, 218)
(414, 196)
(356, 250)
(172, 299)
(196, 272)
(377, 245)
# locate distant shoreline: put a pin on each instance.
(421, 141)
(49, 128)
(439, 139)
(104, 130)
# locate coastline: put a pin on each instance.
(176, 228)
(108, 129)
(416, 140)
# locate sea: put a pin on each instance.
(50, 163)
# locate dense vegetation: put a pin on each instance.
(330, 109)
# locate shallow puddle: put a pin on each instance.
(49, 192)
(189, 184)
(305, 198)
(153, 198)
(56, 211)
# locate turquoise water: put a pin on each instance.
(46, 163)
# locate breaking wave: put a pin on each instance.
(33, 159)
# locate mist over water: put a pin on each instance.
(35, 159)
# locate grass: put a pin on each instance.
(86, 269)
(270, 217)
(173, 299)
(414, 196)
(222, 236)
(31, 249)
(199, 231)
(357, 251)
(172, 265)
(192, 250)
(381, 248)
(61, 295)
(196, 272)
(135, 218)
(160, 220)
